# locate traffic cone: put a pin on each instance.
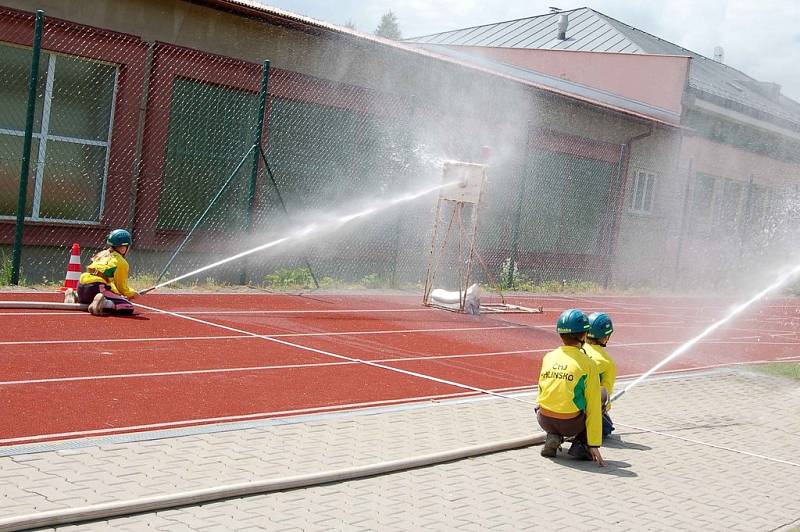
(73, 269)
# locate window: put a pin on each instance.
(641, 199)
(72, 131)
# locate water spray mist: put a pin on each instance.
(738, 309)
(312, 228)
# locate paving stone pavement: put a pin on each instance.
(693, 473)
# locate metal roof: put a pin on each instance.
(563, 86)
(573, 91)
(592, 31)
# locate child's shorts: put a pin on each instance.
(118, 303)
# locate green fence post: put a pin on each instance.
(26, 147)
(259, 129)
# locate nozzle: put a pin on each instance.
(617, 396)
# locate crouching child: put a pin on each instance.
(569, 393)
(595, 347)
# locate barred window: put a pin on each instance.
(641, 198)
(71, 135)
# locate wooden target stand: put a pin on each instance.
(454, 233)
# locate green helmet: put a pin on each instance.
(601, 325)
(119, 237)
(572, 320)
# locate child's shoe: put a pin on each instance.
(551, 445)
(98, 305)
(69, 296)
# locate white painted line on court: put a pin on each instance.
(112, 376)
(242, 417)
(344, 357)
(126, 340)
(279, 335)
(243, 312)
(316, 311)
(394, 331)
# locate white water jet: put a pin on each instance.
(315, 227)
(738, 309)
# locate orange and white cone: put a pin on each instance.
(73, 269)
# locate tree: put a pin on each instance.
(388, 27)
(350, 24)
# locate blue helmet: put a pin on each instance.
(601, 325)
(119, 237)
(572, 320)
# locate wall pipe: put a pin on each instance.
(147, 73)
(620, 189)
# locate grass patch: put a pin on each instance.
(301, 279)
(6, 271)
(781, 369)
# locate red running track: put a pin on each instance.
(233, 357)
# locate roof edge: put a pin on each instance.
(495, 23)
(314, 26)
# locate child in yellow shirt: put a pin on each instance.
(569, 393)
(599, 334)
(104, 284)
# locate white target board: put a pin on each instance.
(466, 181)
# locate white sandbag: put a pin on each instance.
(449, 299)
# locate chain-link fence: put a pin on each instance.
(170, 143)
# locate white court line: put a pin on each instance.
(318, 311)
(244, 312)
(651, 302)
(319, 364)
(343, 357)
(344, 363)
(254, 335)
(389, 331)
(256, 368)
(124, 340)
(243, 417)
(675, 324)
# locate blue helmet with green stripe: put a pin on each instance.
(572, 320)
(601, 325)
(119, 237)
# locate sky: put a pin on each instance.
(760, 37)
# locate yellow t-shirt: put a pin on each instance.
(606, 367)
(569, 384)
(111, 268)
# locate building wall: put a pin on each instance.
(658, 80)
(741, 214)
(449, 107)
(649, 237)
(724, 160)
